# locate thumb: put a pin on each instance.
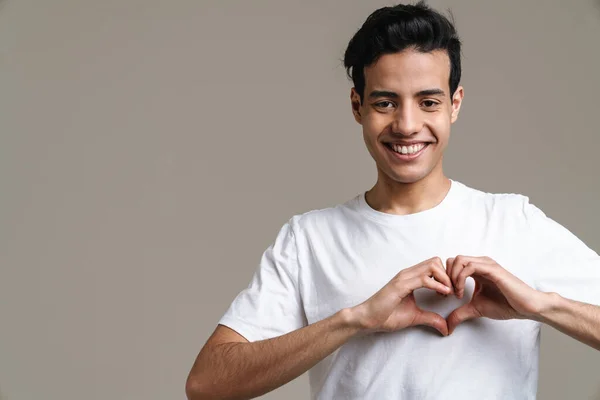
(460, 315)
(433, 320)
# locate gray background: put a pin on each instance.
(150, 151)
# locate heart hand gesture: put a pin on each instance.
(498, 294)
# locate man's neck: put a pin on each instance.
(408, 198)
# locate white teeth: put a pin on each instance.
(408, 149)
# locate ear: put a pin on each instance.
(356, 106)
(457, 98)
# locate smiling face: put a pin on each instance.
(407, 101)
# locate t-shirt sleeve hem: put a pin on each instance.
(242, 327)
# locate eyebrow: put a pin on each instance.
(386, 93)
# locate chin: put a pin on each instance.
(408, 178)
(410, 181)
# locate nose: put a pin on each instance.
(407, 121)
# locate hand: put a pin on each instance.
(498, 294)
(393, 307)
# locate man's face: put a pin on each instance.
(407, 100)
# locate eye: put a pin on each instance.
(429, 103)
(382, 104)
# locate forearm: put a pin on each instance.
(248, 370)
(579, 320)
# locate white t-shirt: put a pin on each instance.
(324, 260)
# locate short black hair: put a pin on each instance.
(396, 28)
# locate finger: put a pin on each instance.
(477, 267)
(425, 281)
(460, 315)
(439, 274)
(469, 269)
(440, 265)
(456, 267)
(426, 265)
(461, 262)
(449, 263)
(432, 268)
(460, 259)
(433, 320)
(482, 259)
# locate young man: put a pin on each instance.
(352, 292)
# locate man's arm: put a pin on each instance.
(579, 320)
(244, 370)
(501, 295)
(567, 273)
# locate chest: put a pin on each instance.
(344, 268)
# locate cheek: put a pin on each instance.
(440, 127)
(372, 129)
(376, 125)
(373, 120)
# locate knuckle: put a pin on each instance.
(398, 282)
(468, 271)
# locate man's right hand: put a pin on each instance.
(393, 307)
(239, 369)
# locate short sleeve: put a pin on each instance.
(562, 263)
(271, 305)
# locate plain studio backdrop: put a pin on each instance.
(151, 150)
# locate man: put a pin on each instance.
(419, 288)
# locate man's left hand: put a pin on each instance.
(498, 294)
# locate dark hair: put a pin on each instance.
(393, 29)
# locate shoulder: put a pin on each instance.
(505, 206)
(322, 220)
(508, 200)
